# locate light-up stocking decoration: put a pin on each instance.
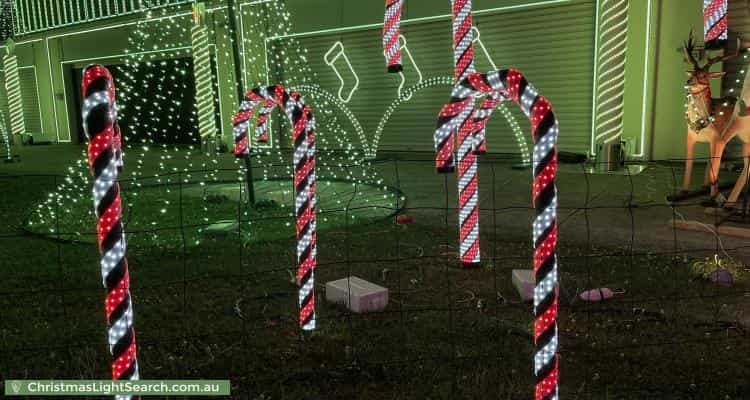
(303, 137)
(104, 156)
(510, 84)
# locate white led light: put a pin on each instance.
(330, 57)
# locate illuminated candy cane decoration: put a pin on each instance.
(490, 103)
(468, 189)
(511, 84)
(714, 23)
(463, 48)
(464, 58)
(481, 117)
(391, 33)
(261, 122)
(471, 139)
(104, 155)
(303, 137)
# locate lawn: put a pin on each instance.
(224, 307)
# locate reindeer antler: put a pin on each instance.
(688, 48)
(727, 57)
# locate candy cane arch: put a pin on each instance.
(303, 136)
(104, 156)
(511, 84)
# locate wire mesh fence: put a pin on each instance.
(214, 292)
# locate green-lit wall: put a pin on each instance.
(675, 19)
(654, 74)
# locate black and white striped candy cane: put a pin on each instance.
(104, 156)
(303, 138)
(511, 84)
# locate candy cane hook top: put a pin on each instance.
(305, 205)
(511, 84)
(100, 124)
(241, 123)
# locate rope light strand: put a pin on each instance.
(470, 141)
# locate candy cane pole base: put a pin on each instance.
(391, 32)
(395, 68)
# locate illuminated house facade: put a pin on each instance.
(575, 49)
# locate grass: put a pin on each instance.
(226, 308)
(170, 212)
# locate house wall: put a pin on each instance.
(653, 118)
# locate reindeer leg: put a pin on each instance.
(742, 180)
(715, 164)
(707, 176)
(689, 152)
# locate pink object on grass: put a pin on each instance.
(599, 294)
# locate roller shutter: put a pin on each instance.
(552, 45)
(30, 101)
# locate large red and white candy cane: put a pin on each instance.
(99, 113)
(511, 84)
(468, 188)
(303, 137)
(714, 23)
(463, 49)
(471, 132)
(391, 32)
(470, 141)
